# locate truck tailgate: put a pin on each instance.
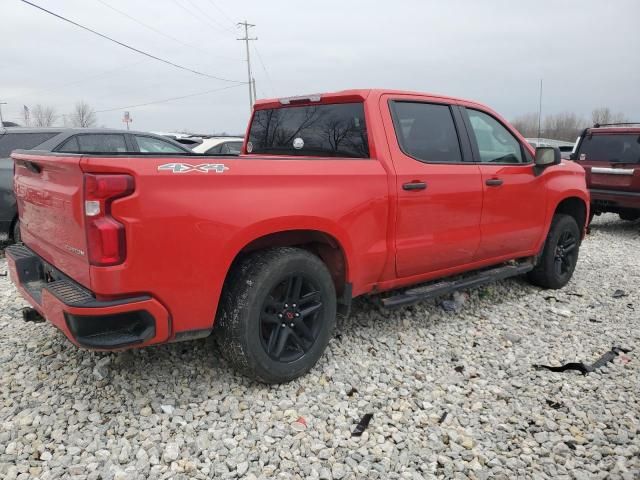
(49, 192)
(608, 176)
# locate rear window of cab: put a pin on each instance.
(324, 130)
(620, 148)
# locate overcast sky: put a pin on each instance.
(587, 53)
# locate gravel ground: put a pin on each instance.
(453, 395)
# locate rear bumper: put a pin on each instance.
(88, 322)
(614, 200)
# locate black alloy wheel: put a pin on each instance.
(566, 253)
(290, 319)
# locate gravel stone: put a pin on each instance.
(178, 412)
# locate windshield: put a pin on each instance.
(337, 130)
(615, 148)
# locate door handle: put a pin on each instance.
(494, 182)
(414, 186)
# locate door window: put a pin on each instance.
(214, 150)
(231, 148)
(495, 143)
(426, 132)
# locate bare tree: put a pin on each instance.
(83, 115)
(604, 115)
(563, 126)
(43, 116)
(527, 124)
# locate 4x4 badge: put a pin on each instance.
(187, 167)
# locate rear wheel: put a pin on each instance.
(277, 313)
(560, 254)
(630, 216)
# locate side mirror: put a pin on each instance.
(547, 156)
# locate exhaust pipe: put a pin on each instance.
(32, 315)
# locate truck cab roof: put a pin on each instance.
(350, 95)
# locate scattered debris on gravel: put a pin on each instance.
(452, 394)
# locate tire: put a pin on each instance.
(17, 236)
(253, 319)
(560, 254)
(630, 216)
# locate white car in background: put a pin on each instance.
(185, 139)
(219, 145)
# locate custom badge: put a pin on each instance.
(249, 147)
(298, 143)
(187, 167)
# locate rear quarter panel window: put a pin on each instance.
(331, 130)
(22, 141)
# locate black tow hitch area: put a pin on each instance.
(32, 315)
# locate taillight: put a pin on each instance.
(106, 242)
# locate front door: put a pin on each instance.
(514, 203)
(439, 190)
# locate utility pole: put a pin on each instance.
(1, 121)
(540, 111)
(246, 39)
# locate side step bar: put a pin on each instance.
(418, 294)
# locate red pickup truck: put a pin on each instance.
(334, 196)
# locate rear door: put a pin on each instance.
(514, 201)
(49, 194)
(611, 160)
(438, 187)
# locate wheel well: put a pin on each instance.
(575, 207)
(319, 243)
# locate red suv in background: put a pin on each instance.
(610, 155)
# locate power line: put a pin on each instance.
(233, 22)
(211, 19)
(266, 73)
(197, 17)
(129, 46)
(169, 99)
(160, 32)
(118, 70)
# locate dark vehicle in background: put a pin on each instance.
(565, 151)
(610, 155)
(66, 140)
